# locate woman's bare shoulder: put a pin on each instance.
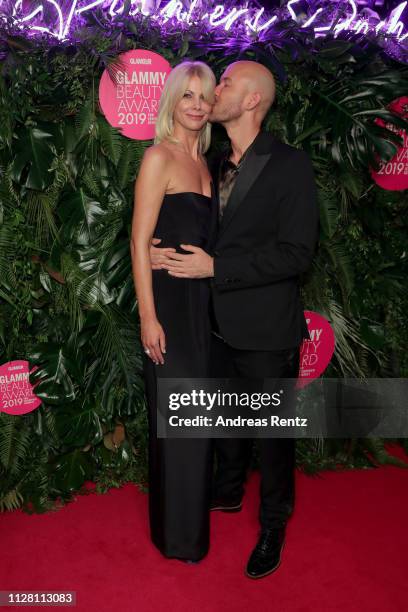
(158, 154)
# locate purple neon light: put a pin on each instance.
(244, 18)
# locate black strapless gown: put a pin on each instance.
(180, 470)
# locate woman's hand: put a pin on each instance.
(153, 340)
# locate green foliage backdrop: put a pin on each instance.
(66, 292)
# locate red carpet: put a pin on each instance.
(346, 550)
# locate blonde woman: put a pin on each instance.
(174, 201)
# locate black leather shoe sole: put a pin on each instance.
(226, 508)
(269, 571)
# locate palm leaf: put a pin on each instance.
(342, 265)
(329, 211)
(112, 140)
(132, 153)
(345, 109)
(85, 120)
(11, 500)
(15, 441)
(40, 214)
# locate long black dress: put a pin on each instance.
(180, 470)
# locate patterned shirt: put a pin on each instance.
(227, 177)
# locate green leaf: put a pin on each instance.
(373, 334)
(34, 154)
(53, 377)
(111, 139)
(84, 120)
(71, 470)
(79, 214)
(78, 425)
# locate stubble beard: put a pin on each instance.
(225, 114)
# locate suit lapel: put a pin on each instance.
(252, 167)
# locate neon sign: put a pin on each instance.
(50, 17)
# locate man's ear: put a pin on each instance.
(253, 99)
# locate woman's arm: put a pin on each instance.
(150, 187)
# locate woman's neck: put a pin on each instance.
(187, 141)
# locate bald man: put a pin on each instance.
(268, 227)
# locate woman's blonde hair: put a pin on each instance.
(173, 91)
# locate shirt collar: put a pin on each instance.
(226, 158)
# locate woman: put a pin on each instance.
(174, 201)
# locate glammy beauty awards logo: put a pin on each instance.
(16, 392)
(129, 95)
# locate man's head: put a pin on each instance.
(245, 92)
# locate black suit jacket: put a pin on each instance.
(265, 241)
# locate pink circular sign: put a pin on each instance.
(16, 391)
(393, 175)
(315, 354)
(132, 101)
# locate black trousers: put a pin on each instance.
(276, 455)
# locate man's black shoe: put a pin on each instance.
(266, 556)
(225, 506)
